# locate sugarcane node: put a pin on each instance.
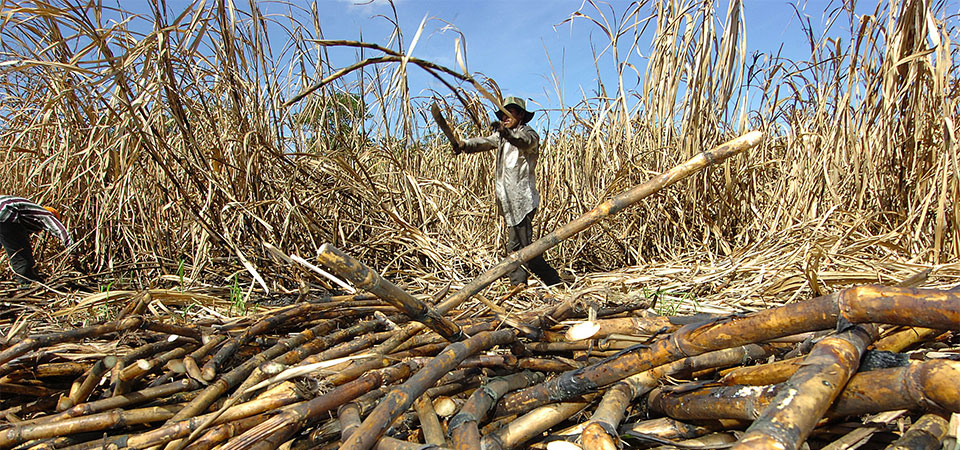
(607, 428)
(680, 339)
(461, 418)
(917, 378)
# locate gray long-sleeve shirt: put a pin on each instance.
(516, 186)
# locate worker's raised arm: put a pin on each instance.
(478, 144)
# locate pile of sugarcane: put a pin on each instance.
(357, 371)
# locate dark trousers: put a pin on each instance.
(16, 241)
(520, 236)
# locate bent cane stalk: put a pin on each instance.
(605, 209)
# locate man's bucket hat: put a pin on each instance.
(519, 103)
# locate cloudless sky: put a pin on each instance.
(515, 41)
(523, 44)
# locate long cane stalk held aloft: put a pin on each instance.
(605, 209)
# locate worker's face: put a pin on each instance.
(513, 118)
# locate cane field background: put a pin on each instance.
(185, 152)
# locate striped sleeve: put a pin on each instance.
(32, 216)
(51, 224)
(8, 208)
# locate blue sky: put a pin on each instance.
(523, 44)
(510, 41)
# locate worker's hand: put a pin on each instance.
(457, 148)
(497, 126)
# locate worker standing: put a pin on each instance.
(19, 218)
(518, 148)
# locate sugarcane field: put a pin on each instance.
(531, 224)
